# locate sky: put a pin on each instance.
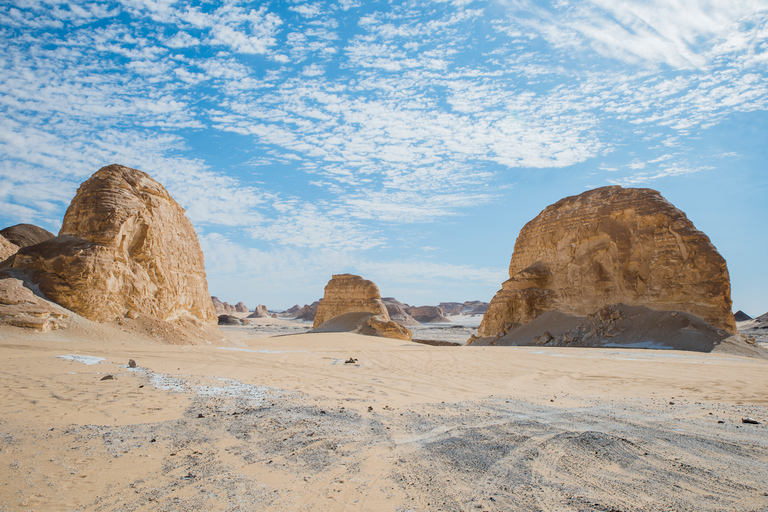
(404, 141)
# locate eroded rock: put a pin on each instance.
(24, 235)
(125, 249)
(259, 311)
(7, 248)
(611, 246)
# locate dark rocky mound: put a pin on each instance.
(741, 316)
(25, 235)
(229, 320)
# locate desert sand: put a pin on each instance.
(283, 423)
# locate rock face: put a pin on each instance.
(397, 312)
(348, 293)
(7, 249)
(22, 308)
(428, 314)
(222, 308)
(611, 246)
(125, 249)
(259, 312)
(25, 235)
(308, 311)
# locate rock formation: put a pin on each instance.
(241, 308)
(397, 312)
(611, 246)
(428, 314)
(25, 235)
(741, 316)
(470, 307)
(308, 311)
(20, 307)
(7, 248)
(229, 320)
(291, 312)
(125, 249)
(351, 295)
(259, 312)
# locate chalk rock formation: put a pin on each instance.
(20, 307)
(259, 312)
(25, 235)
(291, 312)
(308, 311)
(7, 248)
(125, 249)
(397, 312)
(428, 314)
(348, 293)
(241, 308)
(611, 246)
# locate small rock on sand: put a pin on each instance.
(750, 421)
(132, 363)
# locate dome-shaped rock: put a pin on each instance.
(611, 246)
(125, 249)
(25, 235)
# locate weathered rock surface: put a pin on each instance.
(25, 235)
(348, 294)
(125, 249)
(470, 307)
(291, 312)
(20, 307)
(241, 308)
(428, 314)
(397, 312)
(222, 308)
(259, 312)
(7, 249)
(229, 320)
(611, 246)
(741, 316)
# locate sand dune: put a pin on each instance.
(283, 423)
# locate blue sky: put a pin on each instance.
(407, 142)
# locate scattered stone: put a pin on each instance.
(109, 377)
(750, 421)
(132, 363)
(351, 360)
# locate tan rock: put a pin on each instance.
(348, 293)
(397, 312)
(222, 308)
(7, 248)
(428, 314)
(241, 308)
(20, 307)
(125, 249)
(259, 312)
(611, 246)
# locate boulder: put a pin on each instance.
(348, 295)
(7, 248)
(229, 320)
(241, 308)
(259, 312)
(428, 314)
(611, 246)
(25, 235)
(397, 312)
(125, 249)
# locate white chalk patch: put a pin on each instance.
(82, 359)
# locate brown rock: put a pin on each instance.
(25, 235)
(609, 246)
(125, 249)
(350, 294)
(308, 311)
(20, 307)
(428, 314)
(397, 312)
(241, 308)
(7, 248)
(259, 312)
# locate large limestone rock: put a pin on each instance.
(240, 307)
(351, 295)
(428, 314)
(222, 308)
(125, 249)
(259, 312)
(7, 248)
(25, 235)
(397, 312)
(611, 246)
(20, 307)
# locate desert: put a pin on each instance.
(120, 392)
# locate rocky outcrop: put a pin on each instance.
(291, 312)
(222, 308)
(25, 235)
(125, 249)
(7, 249)
(350, 295)
(308, 311)
(470, 307)
(428, 314)
(741, 316)
(611, 246)
(397, 312)
(241, 308)
(229, 320)
(20, 307)
(259, 312)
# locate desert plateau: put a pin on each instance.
(608, 374)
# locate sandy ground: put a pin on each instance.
(283, 423)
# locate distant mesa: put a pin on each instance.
(353, 304)
(24, 235)
(259, 312)
(125, 250)
(627, 250)
(741, 316)
(428, 314)
(398, 313)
